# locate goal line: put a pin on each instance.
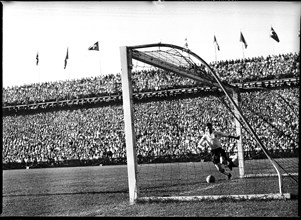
(217, 197)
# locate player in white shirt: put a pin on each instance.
(218, 154)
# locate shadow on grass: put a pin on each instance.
(71, 193)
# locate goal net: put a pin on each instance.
(164, 158)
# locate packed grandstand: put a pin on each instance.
(80, 122)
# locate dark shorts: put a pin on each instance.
(216, 154)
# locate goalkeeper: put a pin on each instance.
(218, 154)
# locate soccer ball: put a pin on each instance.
(210, 179)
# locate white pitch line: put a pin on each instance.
(202, 189)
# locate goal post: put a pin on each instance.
(240, 151)
(130, 138)
(187, 64)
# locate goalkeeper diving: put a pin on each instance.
(218, 154)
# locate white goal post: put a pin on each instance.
(127, 94)
(130, 53)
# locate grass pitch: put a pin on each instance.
(189, 179)
(103, 191)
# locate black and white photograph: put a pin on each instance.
(150, 108)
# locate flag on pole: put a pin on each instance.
(215, 41)
(274, 35)
(94, 47)
(67, 57)
(242, 39)
(37, 58)
(186, 43)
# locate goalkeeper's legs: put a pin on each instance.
(225, 160)
(218, 155)
(222, 170)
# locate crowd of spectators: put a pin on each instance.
(270, 67)
(256, 68)
(62, 90)
(167, 127)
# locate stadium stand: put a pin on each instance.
(80, 122)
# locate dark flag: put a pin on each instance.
(94, 47)
(37, 58)
(274, 35)
(215, 41)
(186, 43)
(242, 39)
(67, 57)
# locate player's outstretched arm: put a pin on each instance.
(235, 137)
(222, 134)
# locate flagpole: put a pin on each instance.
(272, 42)
(243, 53)
(95, 47)
(39, 75)
(67, 68)
(215, 53)
(38, 68)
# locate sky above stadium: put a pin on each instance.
(49, 28)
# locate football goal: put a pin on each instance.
(164, 160)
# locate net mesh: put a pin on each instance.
(180, 59)
(170, 162)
